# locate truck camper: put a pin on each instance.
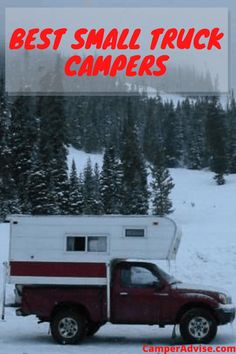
(76, 249)
(80, 272)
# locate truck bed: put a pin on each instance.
(42, 300)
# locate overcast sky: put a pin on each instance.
(231, 4)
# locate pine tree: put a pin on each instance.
(53, 138)
(22, 138)
(110, 182)
(41, 198)
(59, 185)
(9, 200)
(97, 202)
(53, 129)
(92, 141)
(231, 128)
(150, 130)
(75, 203)
(216, 135)
(88, 189)
(184, 111)
(75, 112)
(4, 133)
(172, 134)
(134, 182)
(197, 137)
(53, 141)
(161, 184)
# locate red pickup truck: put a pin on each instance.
(137, 292)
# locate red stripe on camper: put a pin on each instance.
(58, 269)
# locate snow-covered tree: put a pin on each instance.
(4, 125)
(9, 200)
(53, 137)
(231, 128)
(75, 202)
(41, 197)
(134, 182)
(59, 185)
(172, 135)
(216, 134)
(22, 139)
(53, 140)
(88, 188)
(197, 137)
(97, 202)
(110, 182)
(153, 119)
(161, 184)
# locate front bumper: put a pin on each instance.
(225, 314)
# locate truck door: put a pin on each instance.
(134, 295)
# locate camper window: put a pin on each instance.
(86, 243)
(97, 244)
(134, 232)
(76, 244)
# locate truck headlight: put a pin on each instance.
(224, 299)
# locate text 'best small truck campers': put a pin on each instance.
(76, 273)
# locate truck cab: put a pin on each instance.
(137, 292)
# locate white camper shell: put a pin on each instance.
(49, 249)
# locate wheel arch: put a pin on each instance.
(195, 305)
(71, 306)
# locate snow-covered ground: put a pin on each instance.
(81, 158)
(207, 255)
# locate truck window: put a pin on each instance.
(137, 276)
(134, 232)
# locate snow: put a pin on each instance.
(80, 157)
(207, 255)
(206, 213)
(176, 98)
(24, 336)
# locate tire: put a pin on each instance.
(68, 326)
(92, 328)
(198, 326)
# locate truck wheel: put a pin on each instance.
(198, 326)
(92, 328)
(68, 327)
